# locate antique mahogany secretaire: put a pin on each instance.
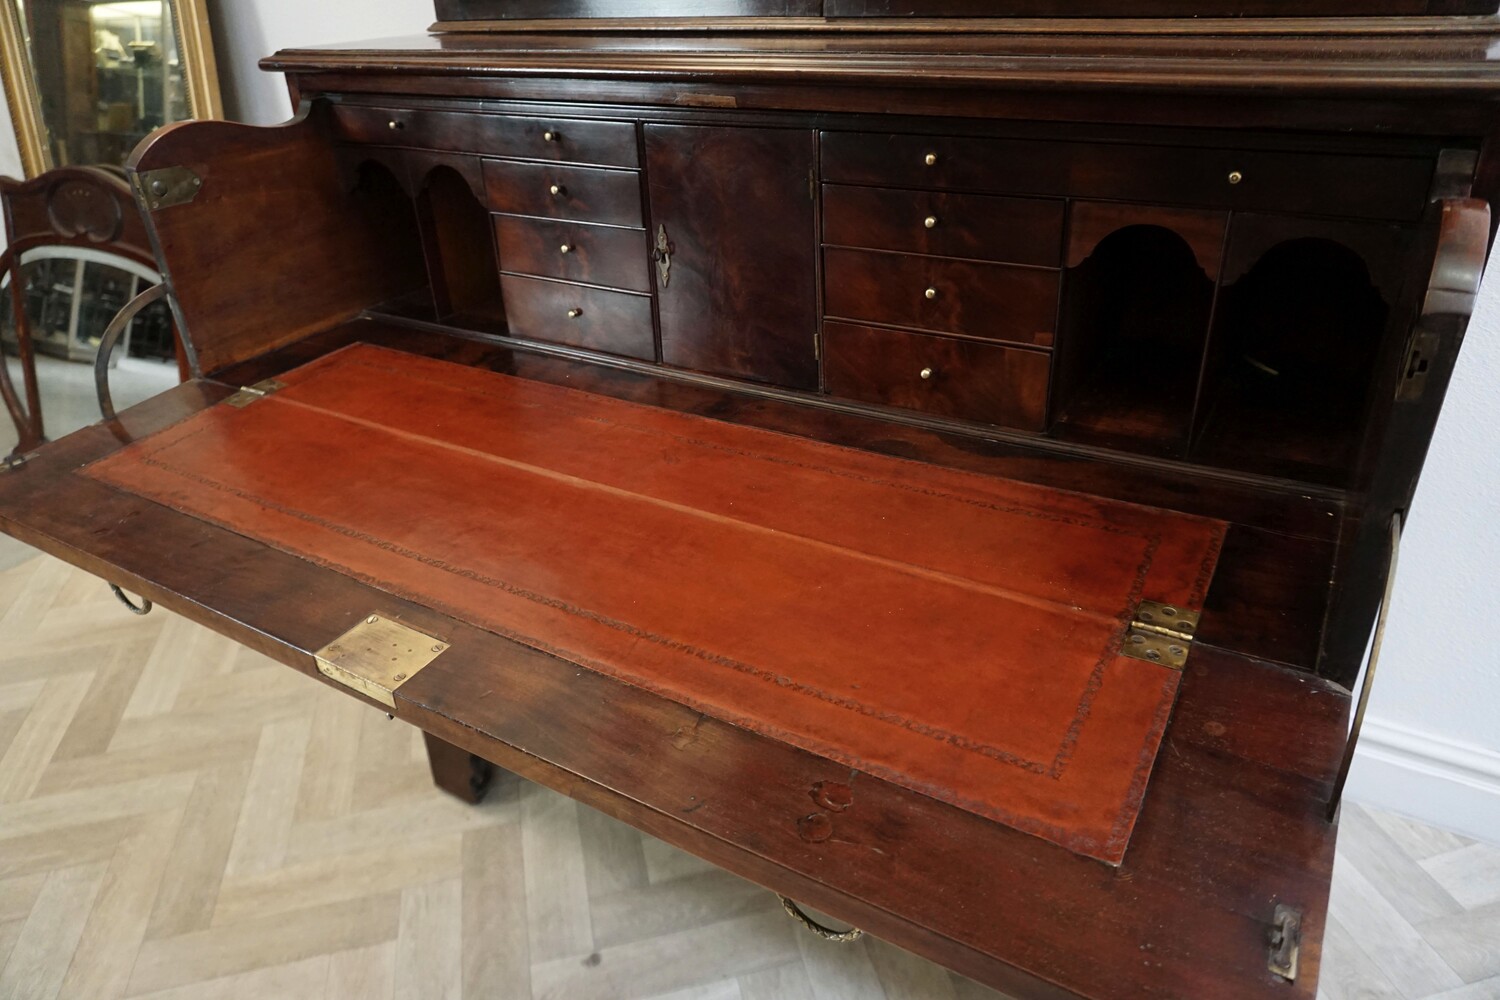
(939, 460)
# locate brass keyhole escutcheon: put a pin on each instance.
(930, 222)
(930, 159)
(1235, 176)
(927, 374)
(930, 294)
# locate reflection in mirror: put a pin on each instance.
(107, 73)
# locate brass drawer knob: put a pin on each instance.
(558, 190)
(566, 248)
(930, 159)
(574, 313)
(931, 293)
(396, 126)
(550, 136)
(930, 222)
(927, 374)
(1235, 176)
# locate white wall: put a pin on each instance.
(245, 31)
(1432, 738)
(1432, 742)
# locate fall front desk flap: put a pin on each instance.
(957, 634)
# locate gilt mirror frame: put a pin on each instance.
(195, 50)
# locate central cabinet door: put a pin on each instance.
(737, 286)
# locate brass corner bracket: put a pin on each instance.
(377, 656)
(1161, 633)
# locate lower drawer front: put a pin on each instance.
(993, 301)
(579, 316)
(574, 251)
(937, 375)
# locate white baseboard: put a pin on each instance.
(1442, 783)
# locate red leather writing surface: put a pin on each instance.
(955, 633)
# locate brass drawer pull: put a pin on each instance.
(930, 222)
(566, 248)
(396, 126)
(930, 294)
(574, 313)
(1235, 176)
(550, 136)
(927, 374)
(558, 190)
(930, 159)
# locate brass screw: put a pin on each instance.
(438, 648)
(930, 159)
(1235, 176)
(930, 222)
(371, 620)
(399, 677)
(931, 293)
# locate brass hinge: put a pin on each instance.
(1161, 633)
(1420, 354)
(168, 186)
(377, 656)
(250, 393)
(1285, 939)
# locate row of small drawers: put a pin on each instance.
(1373, 186)
(573, 255)
(967, 265)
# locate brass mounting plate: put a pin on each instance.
(377, 656)
(1161, 633)
(168, 186)
(250, 393)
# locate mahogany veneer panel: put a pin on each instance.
(930, 634)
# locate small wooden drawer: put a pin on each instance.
(567, 140)
(1391, 187)
(551, 191)
(937, 375)
(993, 301)
(574, 251)
(981, 227)
(444, 130)
(579, 316)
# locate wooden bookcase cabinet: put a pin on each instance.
(1218, 268)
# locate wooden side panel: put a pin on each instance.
(275, 245)
(737, 206)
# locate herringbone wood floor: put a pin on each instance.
(180, 818)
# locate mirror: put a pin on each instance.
(86, 80)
